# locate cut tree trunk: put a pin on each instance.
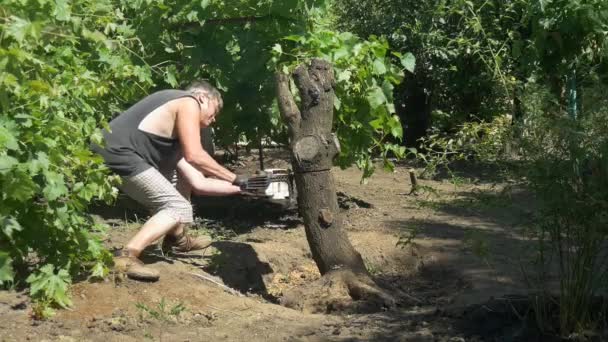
(313, 148)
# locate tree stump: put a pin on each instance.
(313, 148)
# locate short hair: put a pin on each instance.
(208, 89)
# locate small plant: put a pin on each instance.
(406, 238)
(49, 289)
(372, 268)
(162, 313)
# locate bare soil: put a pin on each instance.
(465, 251)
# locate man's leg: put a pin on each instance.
(189, 180)
(185, 189)
(156, 227)
(178, 240)
(151, 189)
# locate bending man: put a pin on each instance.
(145, 146)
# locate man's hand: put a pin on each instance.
(254, 184)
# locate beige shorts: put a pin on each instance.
(155, 191)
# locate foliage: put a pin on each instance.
(233, 45)
(228, 42)
(64, 67)
(567, 167)
(475, 57)
(452, 50)
(481, 141)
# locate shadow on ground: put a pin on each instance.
(239, 267)
(237, 213)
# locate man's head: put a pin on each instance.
(209, 99)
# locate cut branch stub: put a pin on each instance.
(315, 84)
(309, 91)
(315, 153)
(287, 105)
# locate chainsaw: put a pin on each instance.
(274, 184)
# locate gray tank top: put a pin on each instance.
(129, 151)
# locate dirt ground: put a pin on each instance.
(446, 255)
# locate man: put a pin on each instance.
(145, 146)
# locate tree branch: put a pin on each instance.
(227, 21)
(246, 19)
(287, 105)
(309, 92)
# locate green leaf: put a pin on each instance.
(94, 247)
(337, 102)
(379, 49)
(192, 16)
(377, 124)
(10, 226)
(96, 36)
(341, 53)
(7, 163)
(395, 126)
(19, 186)
(295, 38)
(344, 75)
(18, 28)
(39, 86)
(205, 3)
(41, 163)
(169, 78)
(48, 285)
(99, 270)
(88, 191)
(389, 166)
(409, 62)
(6, 268)
(378, 67)
(376, 97)
(400, 152)
(62, 11)
(8, 140)
(387, 88)
(55, 186)
(277, 48)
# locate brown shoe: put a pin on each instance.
(185, 243)
(134, 268)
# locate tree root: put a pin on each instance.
(339, 291)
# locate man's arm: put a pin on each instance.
(201, 185)
(188, 132)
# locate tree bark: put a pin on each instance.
(313, 148)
